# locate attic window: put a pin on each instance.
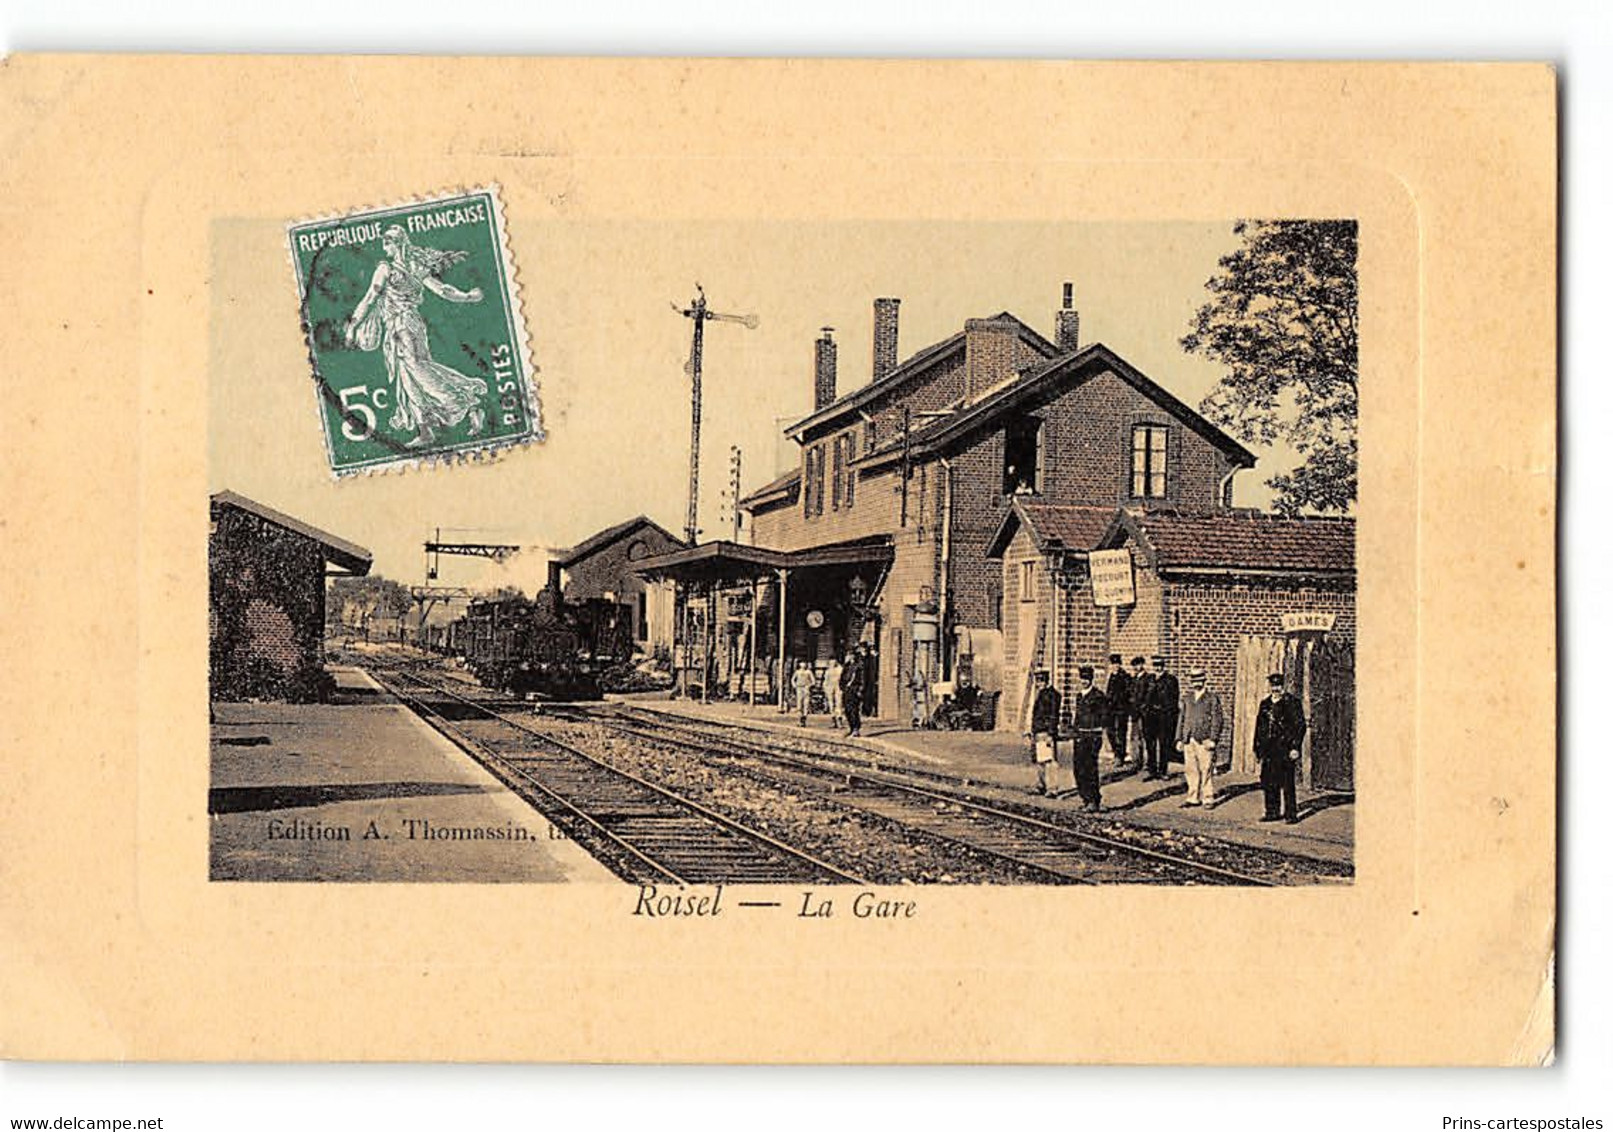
(1022, 457)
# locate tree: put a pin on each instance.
(1282, 319)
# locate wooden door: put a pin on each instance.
(1331, 691)
(1026, 645)
(1322, 674)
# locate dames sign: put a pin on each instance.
(1111, 577)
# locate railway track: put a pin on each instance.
(643, 831)
(1055, 850)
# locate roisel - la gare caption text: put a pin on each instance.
(806, 904)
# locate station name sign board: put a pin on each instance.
(1308, 622)
(1111, 577)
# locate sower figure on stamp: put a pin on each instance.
(1118, 692)
(1198, 730)
(429, 395)
(1042, 729)
(851, 692)
(1159, 718)
(1089, 714)
(1279, 731)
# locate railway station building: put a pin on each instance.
(880, 534)
(266, 600)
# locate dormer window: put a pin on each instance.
(1149, 445)
(1022, 457)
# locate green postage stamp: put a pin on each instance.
(415, 332)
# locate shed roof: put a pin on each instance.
(1238, 541)
(347, 555)
(595, 543)
(783, 488)
(728, 562)
(1054, 526)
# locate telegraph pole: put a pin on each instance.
(735, 459)
(701, 314)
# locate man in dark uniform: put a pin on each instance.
(1279, 731)
(1159, 719)
(869, 663)
(1089, 713)
(1042, 729)
(1140, 683)
(851, 692)
(1118, 692)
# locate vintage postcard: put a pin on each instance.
(980, 571)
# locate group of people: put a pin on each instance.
(847, 690)
(1147, 718)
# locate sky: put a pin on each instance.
(610, 349)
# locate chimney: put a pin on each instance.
(1068, 333)
(991, 354)
(823, 371)
(885, 337)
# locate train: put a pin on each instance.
(545, 646)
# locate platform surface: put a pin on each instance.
(362, 789)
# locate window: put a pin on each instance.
(851, 473)
(870, 436)
(1022, 457)
(1148, 448)
(643, 615)
(1027, 580)
(812, 485)
(838, 479)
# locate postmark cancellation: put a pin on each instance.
(416, 339)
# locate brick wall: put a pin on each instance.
(266, 610)
(1139, 629)
(1088, 447)
(1077, 631)
(610, 570)
(1083, 628)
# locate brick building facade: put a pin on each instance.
(266, 607)
(928, 456)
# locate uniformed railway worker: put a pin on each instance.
(1159, 718)
(1279, 731)
(1118, 692)
(1089, 713)
(1042, 729)
(852, 675)
(1137, 692)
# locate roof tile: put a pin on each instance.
(1252, 542)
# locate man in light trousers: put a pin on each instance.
(1198, 730)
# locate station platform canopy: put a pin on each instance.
(727, 563)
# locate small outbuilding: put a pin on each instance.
(602, 568)
(1239, 593)
(266, 608)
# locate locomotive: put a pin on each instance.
(544, 646)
